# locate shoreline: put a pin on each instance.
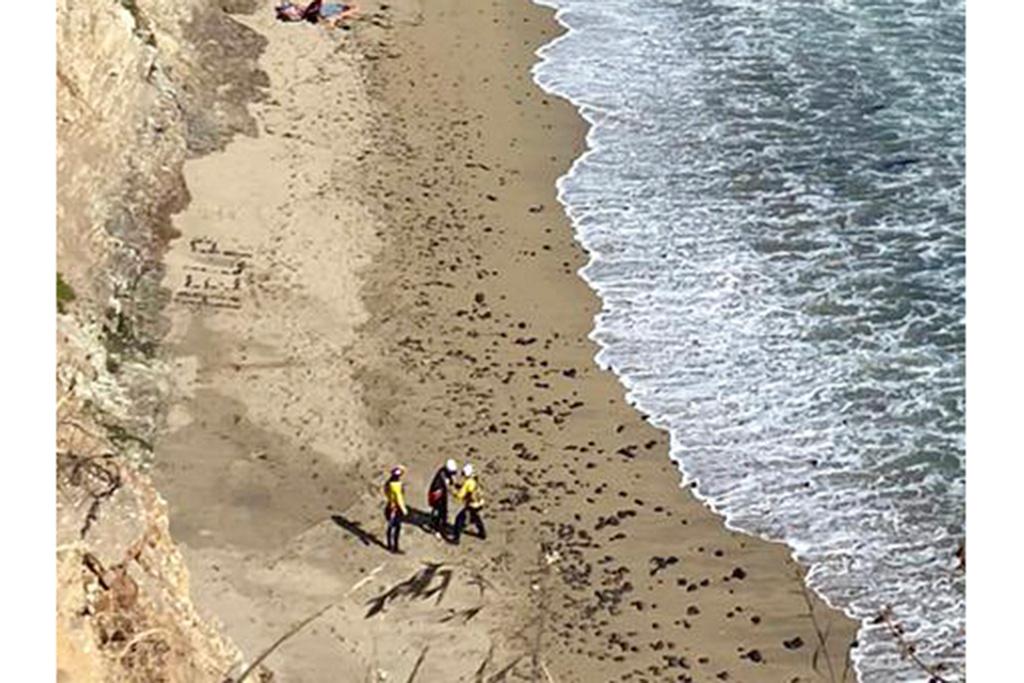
(574, 252)
(436, 313)
(588, 149)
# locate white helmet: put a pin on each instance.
(467, 471)
(451, 466)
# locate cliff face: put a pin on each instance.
(141, 86)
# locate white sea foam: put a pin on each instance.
(772, 197)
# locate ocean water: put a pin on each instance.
(773, 202)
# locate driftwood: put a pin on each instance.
(822, 647)
(277, 643)
(417, 665)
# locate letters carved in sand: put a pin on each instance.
(213, 278)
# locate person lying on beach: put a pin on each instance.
(314, 12)
(289, 12)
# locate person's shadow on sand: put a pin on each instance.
(357, 530)
(416, 517)
(420, 519)
(425, 523)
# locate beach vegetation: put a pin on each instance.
(65, 294)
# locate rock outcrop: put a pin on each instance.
(141, 86)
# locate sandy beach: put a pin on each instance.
(383, 275)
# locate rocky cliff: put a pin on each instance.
(141, 86)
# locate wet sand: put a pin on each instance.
(389, 278)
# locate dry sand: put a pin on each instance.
(389, 278)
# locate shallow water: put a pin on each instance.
(773, 201)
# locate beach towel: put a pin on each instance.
(332, 9)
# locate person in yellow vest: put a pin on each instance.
(395, 509)
(472, 502)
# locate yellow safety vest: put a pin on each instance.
(469, 494)
(393, 494)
